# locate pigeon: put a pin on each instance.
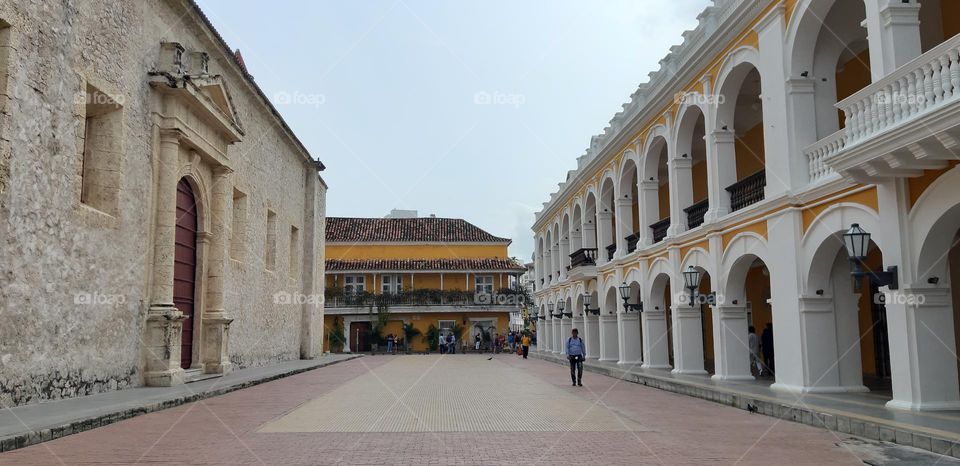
(489, 359)
(751, 408)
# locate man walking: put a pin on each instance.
(576, 353)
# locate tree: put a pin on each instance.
(336, 336)
(432, 338)
(409, 333)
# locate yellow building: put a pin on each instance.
(428, 273)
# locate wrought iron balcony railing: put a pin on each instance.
(696, 212)
(632, 241)
(422, 297)
(660, 229)
(610, 250)
(747, 191)
(583, 256)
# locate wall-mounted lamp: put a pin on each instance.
(625, 296)
(857, 242)
(587, 299)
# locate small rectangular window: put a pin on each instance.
(391, 284)
(238, 229)
(353, 284)
(484, 284)
(294, 252)
(102, 134)
(270, 251)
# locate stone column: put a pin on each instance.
(215, 323)
(589, 236)
(164, 326)
(591, 329)
(784, 234)
(609, 346)
(656, 353)
(545, 338)
(649, 210)
(824, 348)
(893, 35)
(786, 168)
(566, 324)
(688, 343)
(681, 193)
(624, 225)
(721, 172)
(731, 349)
(628, 335)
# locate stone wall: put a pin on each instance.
(74, 281)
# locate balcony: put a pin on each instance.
(747, 191)
(360, 302)
(632, 241)
(818, 153)
(904, 123)
(696, 212)
(660, 229)
(610, 250)
(582, 257)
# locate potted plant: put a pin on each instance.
(336, 336)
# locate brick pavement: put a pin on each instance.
(271, 423)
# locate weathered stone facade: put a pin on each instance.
(104, 107)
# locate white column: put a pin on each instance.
(730, 347)
(688, 339)
(656, 353)
(721, 172)
(803, 121)
(628, 335)
(785, 233)
(591, 328)
(589, 238)
(924, 344)
(555, 261)
(609, 347)
(547, 261)
(544, 339)
(564, 257)
(649, 210)
(603, 235)
(681, 192)
(822, 321)
(893, 34)
(566, 324)
(785, 168)
(557, 337)
(624, 224)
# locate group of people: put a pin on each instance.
(393, 342)
(448, 343)
(761, 346)
(518, 342)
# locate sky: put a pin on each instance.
(466, 109)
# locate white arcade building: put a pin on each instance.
(740, 169)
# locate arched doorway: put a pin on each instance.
(185, 267)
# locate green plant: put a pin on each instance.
(458, 331)
(409, 333)
(336, 336)
(432, 337)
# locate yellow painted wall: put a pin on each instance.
(757, 292)
(699, 175)
(432, 251)
(707, 324)
(866, 198)
(919, 184)
(851, 77)
(750, 155)
(422, 321)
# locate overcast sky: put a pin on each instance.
(467, 109)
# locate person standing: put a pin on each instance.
(443, 344)
(476, 341)
(525, 344)
(576, 353)
(753, 341)
(766, 342)
(451, 343)
(390, 341)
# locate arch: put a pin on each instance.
(736, 261)
(732, 73)
(656, 148)
(824, 237)
(934, 221)
(659, 268)
(699, 258)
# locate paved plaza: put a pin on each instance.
(454, 409)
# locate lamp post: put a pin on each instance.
(559, 314)
(857, 242)
(587, 299)
(625, 296)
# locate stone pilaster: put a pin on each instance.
(609, 346)
(688, 344)
(215, 322)
(628, 333)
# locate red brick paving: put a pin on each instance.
(222, 430)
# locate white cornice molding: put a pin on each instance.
(719, 25)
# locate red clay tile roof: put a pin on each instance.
(419, 230)
(334, 265)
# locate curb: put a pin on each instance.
(45, 434)
(931, 440)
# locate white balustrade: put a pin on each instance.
(818, 152)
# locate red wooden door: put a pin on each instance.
(359, 337)
(185, 266)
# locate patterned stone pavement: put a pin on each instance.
(454, 409)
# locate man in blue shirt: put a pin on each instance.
(576, 353)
